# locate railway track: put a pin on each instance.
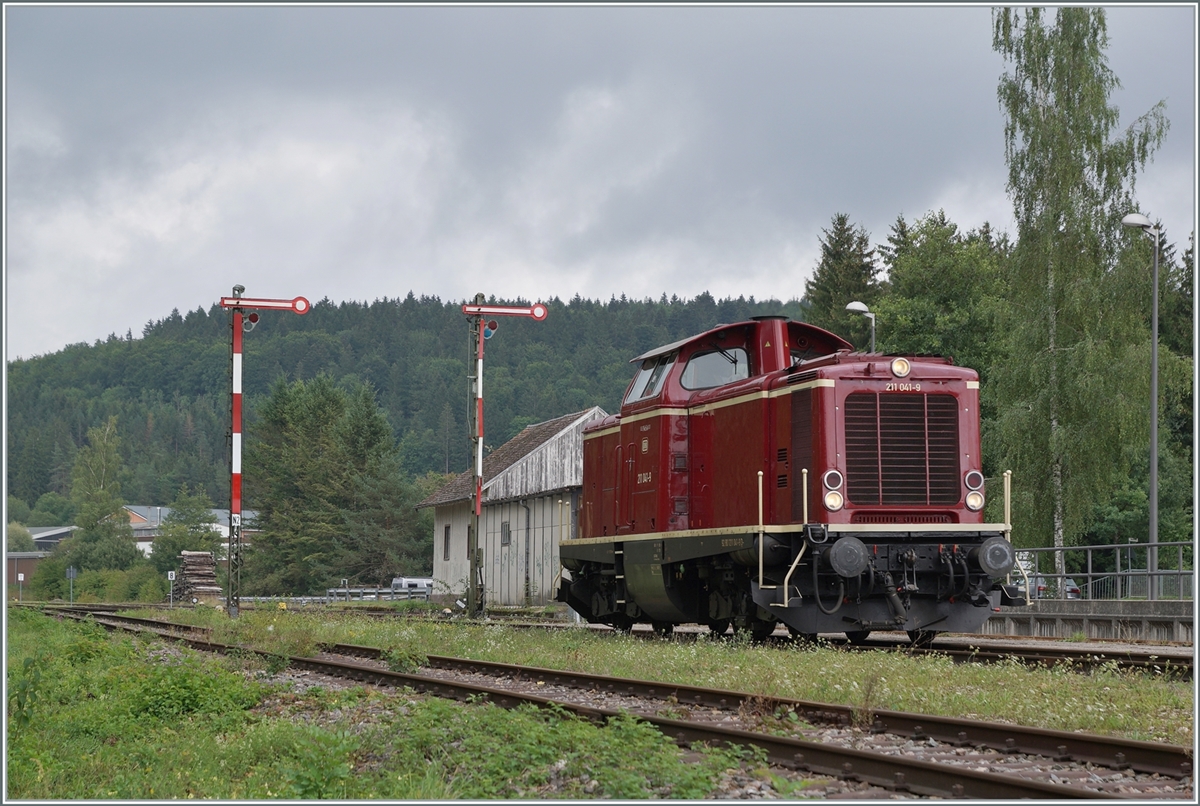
(953, 757)
(979, 650)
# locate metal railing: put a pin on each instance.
(1115, 571)
(376, 594)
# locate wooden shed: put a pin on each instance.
(531, 493)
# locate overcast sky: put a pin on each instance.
(156, 156)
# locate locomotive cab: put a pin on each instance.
(763, 473)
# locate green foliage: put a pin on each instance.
(1073, 323)
(171, 690)
(942, 294)
(329, 494)
(23, 693)
(18, 538)
(169, 389)
(95, 484)
(846, 272)
(52, 509)
(319, 766)
(18, 510)
(401, 659)
(119, 719)
(189, 526)
(49, 578)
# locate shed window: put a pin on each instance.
(505, 534)
(446, 543)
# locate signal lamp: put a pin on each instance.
(832, 479)
(490, 327)
(833, 500)
(974, 480)
(901, 367)
(249, 322)
(974, 500)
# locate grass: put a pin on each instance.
(99, 716)
(1108, 701)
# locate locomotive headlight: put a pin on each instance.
(974, 500)
(974, 480)
(901, 367)
(832, 480)
(833, 500)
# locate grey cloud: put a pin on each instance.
(158, 155)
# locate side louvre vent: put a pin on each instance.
(902, 449)
(801, 448)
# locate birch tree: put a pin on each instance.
(1072, 390)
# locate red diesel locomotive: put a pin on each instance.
(764, 472)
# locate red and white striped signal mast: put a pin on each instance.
(482, 328)
(242, 324)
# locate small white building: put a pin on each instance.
(531, 494)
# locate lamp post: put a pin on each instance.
(1139, 221)
(861, 307)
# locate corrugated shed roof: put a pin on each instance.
(508, 454)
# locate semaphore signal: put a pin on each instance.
(481, 331)
(243, 324)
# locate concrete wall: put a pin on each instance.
(1170, 620)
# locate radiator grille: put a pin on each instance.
(901, 449)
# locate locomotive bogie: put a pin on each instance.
(763, 473)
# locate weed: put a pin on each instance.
(24, 693)
(170, 691)
(864, 710)
(787, 787)
(1078, 637)
(404, 661)
(320, 765)
(276, 663)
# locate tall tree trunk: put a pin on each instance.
(1056, 476)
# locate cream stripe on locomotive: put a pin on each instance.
(971, 528)
(706, 407)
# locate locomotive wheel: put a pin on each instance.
(802, 637)
(859, 637)
(663, 628)
(761, 630)
(719, 627)
(922, 639)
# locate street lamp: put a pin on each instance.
(1139, 221)
(860, 307)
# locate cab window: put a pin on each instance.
(716, 368)
(650, 377)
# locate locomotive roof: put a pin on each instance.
(675, 345)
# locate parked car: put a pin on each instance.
(1044, 588)
(418, 585)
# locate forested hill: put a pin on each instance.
(169, 389)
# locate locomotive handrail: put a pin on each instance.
(1008, 527)
(804, 481)
(788, 578)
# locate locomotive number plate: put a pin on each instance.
(902, 387)
(644, 478)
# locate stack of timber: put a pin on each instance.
(197, 578)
